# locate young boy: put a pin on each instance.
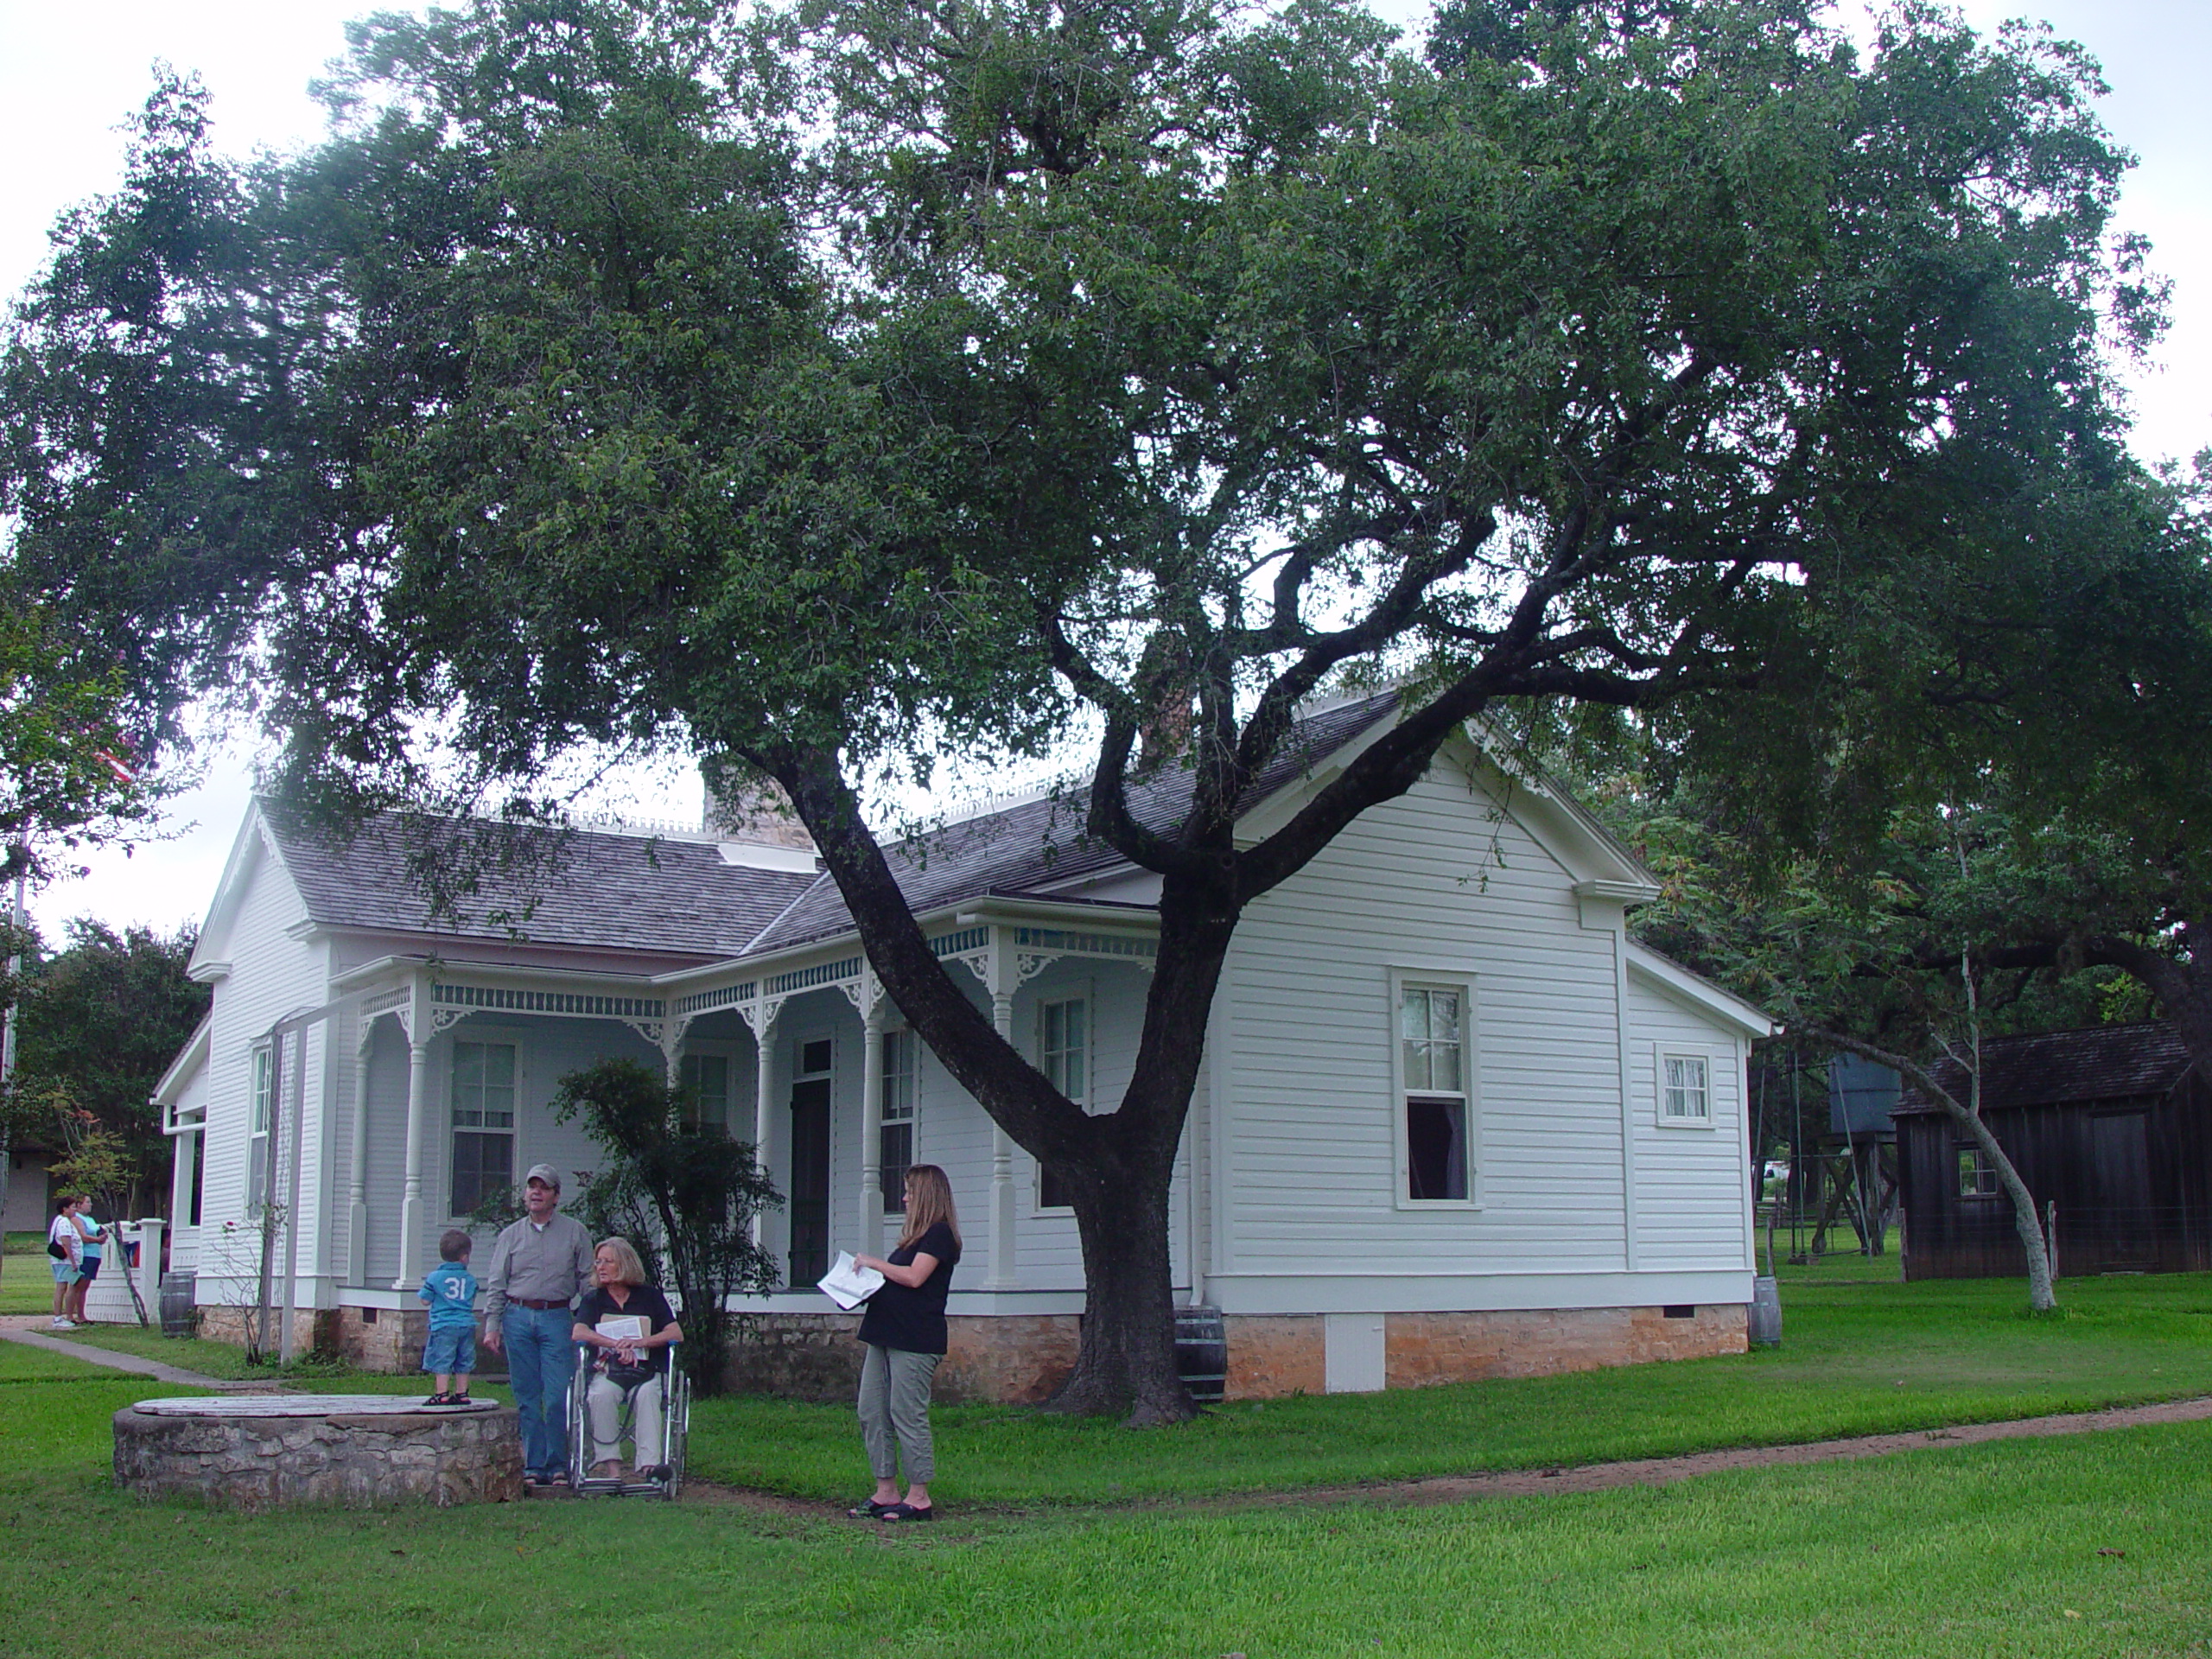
(450, 1289)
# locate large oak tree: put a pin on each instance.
(888, 381)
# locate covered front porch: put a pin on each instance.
(440, 1078)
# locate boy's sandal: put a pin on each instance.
(870, 1510)
(905, 1512)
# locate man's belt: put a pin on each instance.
(532, 1302)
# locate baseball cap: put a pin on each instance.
(545, 1172)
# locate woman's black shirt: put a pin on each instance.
(914, 1319)
(597, 1305)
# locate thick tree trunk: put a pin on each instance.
(1127, 1361)
(1118, 1166)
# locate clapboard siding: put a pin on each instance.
(1691, 1182)
(1434, 881)
(272, 974)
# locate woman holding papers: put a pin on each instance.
(904, 1329)
(632, 1325)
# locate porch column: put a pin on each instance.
(1002, 1276)
(770, 1230)
(872, 1124)
(357, 1174)
(411, 1207)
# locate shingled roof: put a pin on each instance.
(627, 891)
(2097, 1063)
(1039, 842)
(636, 891)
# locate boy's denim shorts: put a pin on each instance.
(449, 1353)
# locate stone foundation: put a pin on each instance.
(1021, 1359)
(384, 1340)
(242, 1453)
(1287, 1353)
(1275, 1354)
(1009, 1359)
(1018, 1359)
(1420, 1349)
(315, 1331)
(392, 1341)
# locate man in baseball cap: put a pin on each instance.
(540, 1265)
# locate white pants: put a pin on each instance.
(603, 1402)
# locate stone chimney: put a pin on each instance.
(752, 810)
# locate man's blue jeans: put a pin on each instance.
(541, 1359)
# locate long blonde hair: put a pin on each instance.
(929, 1200)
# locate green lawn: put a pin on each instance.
(2096, 1549)
(26, 1287)
(1856, 1359)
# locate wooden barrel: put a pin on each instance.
(1202, 1353)
(179, 1317)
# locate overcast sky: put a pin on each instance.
(69, 74)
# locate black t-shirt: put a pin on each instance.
(644, 1301)
(914, 1319)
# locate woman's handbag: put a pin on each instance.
(54, 1249)
(628, 1376)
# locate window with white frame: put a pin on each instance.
(483, 1122)
(896, 1150)
(1436, 1119)
(1063, 1056)
(705, 1079)
(257, 1166)
(1685, 1089)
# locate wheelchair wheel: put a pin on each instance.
(579, 1424)
(676, 1433)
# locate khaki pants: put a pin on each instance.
(895, 1413)
(603, 1400)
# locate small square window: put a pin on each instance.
(1686, 1091)
(1977, 1175)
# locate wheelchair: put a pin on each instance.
(655, 1480)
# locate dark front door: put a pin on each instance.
(810, 1194)
(2122, 1226)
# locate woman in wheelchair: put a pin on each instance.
(631, 1327)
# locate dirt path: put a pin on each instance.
(1585, 1477)
(1433, 1488)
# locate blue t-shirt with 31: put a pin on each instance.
(450, 1289)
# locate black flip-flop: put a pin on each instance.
(870, 1510)
(905, 1512)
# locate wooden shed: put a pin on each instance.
(2111, 1123)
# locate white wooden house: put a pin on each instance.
(1452, 1123)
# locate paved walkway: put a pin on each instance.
(24, 1328)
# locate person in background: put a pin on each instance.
(449, 1351)
(905, 1329)
(94, 1237)
(66, 1245)
(539, 1265)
